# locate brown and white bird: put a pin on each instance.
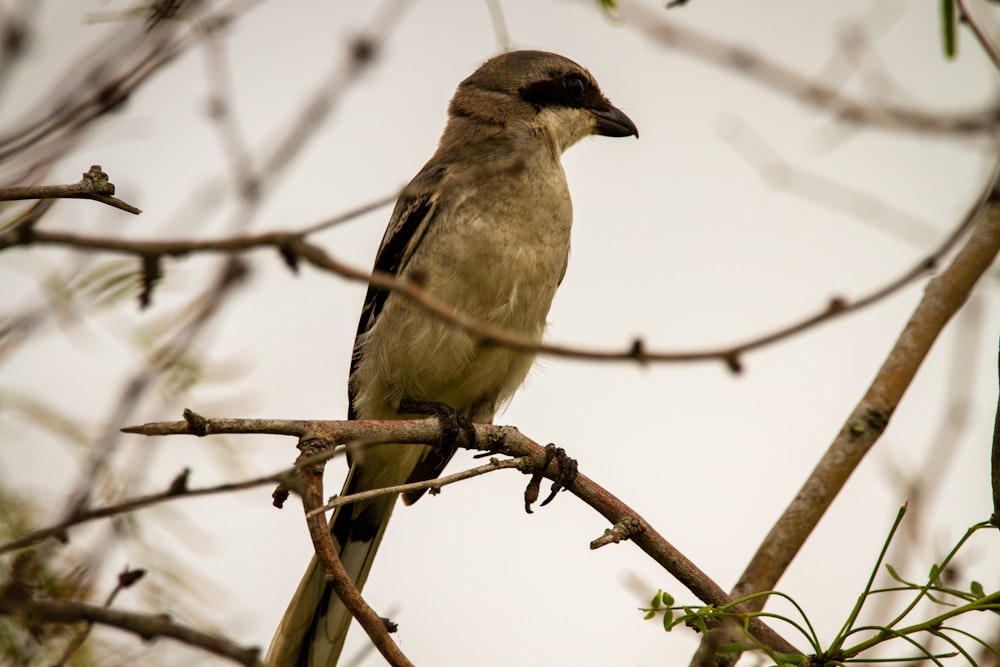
(485, 228)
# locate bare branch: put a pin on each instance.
(126, 579)
(505, 440)
(337, 575)
(803, 88)
(94, 185)
(984, 40)
(177, 489)
(944, 295)
(294, 247)
(146, 626)
(433, 484)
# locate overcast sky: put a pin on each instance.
(737, 211)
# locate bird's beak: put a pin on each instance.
(612, 122)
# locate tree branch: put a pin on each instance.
(146, 626)
(94, 185)
(944, 295)
(294, 247)
(800, 87)
(336, 574)
(505, 440)
(984, 40)
(177, 489)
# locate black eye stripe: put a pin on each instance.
(566, 90)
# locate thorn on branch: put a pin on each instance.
(621, 531)
(236, 270)
(280, 495)
(97, 181)
(638, 351)
(112, 96)
(128, 577)
(151, 274)
(363, 48)
(197, 425)
(290, 255)
(733, 363)
(179, 485)
(836, 305)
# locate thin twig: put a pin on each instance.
(984, 40)
(433, 484)
(146, 626)
(295, 247)
(94, 185)
(798, 86)
(58, 531)
(126, 579)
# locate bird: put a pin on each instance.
(483, 227)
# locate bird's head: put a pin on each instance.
(537, 87)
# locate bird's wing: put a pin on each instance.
(410, 219)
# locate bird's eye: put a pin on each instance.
(574, 88)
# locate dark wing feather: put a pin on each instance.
(409, 221)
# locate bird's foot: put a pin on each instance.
(565, 477)
(452, 423)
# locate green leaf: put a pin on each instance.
(949, 26)
(697, 621)
(668, 619)
(976, 587)
(609, 6)
(657, 600)
(934, 576)
(668, 599)
(649, 615)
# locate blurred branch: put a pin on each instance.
(805, 89)
(944, 295)
(820, 190)
(294, 247)
(16, 601)
(505, 440)
(969, 19)
(107, 79)
(94, 185)
(126, 579)
(995, 458)
(177, 489)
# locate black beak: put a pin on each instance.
(612, 122)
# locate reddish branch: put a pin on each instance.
(503, 440)
(339, 580)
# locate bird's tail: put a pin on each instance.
(315, 624)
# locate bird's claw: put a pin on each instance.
(452, 422)
(566, 476)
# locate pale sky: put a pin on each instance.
(691, 237)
